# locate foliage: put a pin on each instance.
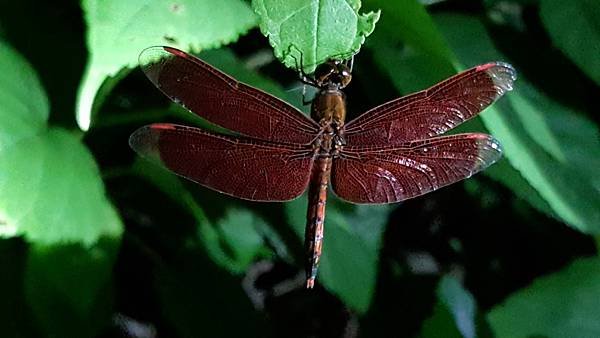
(313, 31)
(96, 241)
(562, 304)
(48, 180)
(578, 39)
(119, 30)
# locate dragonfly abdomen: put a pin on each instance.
(315, 219)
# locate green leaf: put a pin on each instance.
(545, 142)
(351, 246)
(562, 131)
(119, 30)
(233, 241)
(310, 32)
(503, 172)
(574, 27)
(51, 192)
(69, 287)
(454, 313)
(240, 232)
(562, 304)
(407, 21)
(23, 104)
(50, 187)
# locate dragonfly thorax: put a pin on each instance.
(329, 110)
(329, 106)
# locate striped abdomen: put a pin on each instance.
(315, 218)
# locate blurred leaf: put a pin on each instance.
(233, 242)
(491, 3)
(68, 202)
(574, 27)
(454, 313)
(566, 134)
(201, 300)
(541, 139)
(50, 187)
(407, 21)
(409, 70)
(442, 322)
(69, 287)
(503, 172)
(239, 229)
(562, 304)
(119, 30)
(23, 104)
(351, 246)
(314, 31)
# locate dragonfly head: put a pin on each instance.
(333, 73)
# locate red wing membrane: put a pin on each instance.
(224, 101)
(433, 111)
(243, 168)
(392, 174)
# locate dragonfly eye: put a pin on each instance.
(324, 72)
(344, 74)
(333, 73)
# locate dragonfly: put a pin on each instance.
(388, 154)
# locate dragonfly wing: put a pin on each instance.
(375, 175)
(243, 168)
(222, 100)
(434, 111)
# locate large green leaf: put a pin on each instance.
(555, 149)
(563, 304)
(350, 250)
(313, 31)
(574, 27)
(50, 186)
(119, 30)
(51, 192)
